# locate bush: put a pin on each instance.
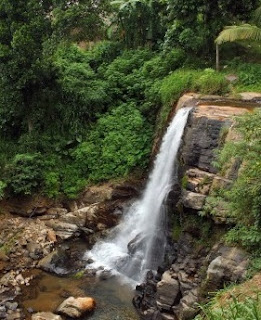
(25, 173)
(118, 143)
(211, 82)
(161, 65)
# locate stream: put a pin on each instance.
(47, 292)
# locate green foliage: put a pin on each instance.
(83, 94)
(106, 154)
(138, 22)
(255, 265)
(245, 195)
(25, 173)
(211, 82)
(249, 77)
(237, 309)
(2, 189)
(161, 65)
(181, 81)
(194, 25)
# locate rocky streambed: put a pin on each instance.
(42, 245)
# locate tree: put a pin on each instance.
(30, 32)
(243, 31)
(195, 23)
(248, 32)
(138, 21)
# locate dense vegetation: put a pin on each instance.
(84, 87)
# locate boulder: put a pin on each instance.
(76, 307)
(78, 218)
(167, 291)
(96, 194)
(62, 229)
(46, 316)
(188, 307)
(229, 264)
(193, 200)
(53, 262)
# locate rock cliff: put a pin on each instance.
(200, 263)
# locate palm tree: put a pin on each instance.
(251, 32)
(241, 32)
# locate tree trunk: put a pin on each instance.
(217, 58)
(30, 125)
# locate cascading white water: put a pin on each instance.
(138, 242)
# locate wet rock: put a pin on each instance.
(50, 263)
(105, 275)
(201, 139)
(137, 244)
(46, 316)
(86, 231)
(167, 291)
(76, 307)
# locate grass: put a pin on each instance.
(237, 302)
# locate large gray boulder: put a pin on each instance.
(228, 264)
(167, 291)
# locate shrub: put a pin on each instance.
(162, 64)
(211, 82)
(25, 173)
(118, 143)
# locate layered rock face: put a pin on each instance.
(198, 268)
(209, 126)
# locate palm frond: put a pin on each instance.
(242, 32)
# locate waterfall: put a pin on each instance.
(138, 242)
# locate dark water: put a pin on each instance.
(47, 291)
